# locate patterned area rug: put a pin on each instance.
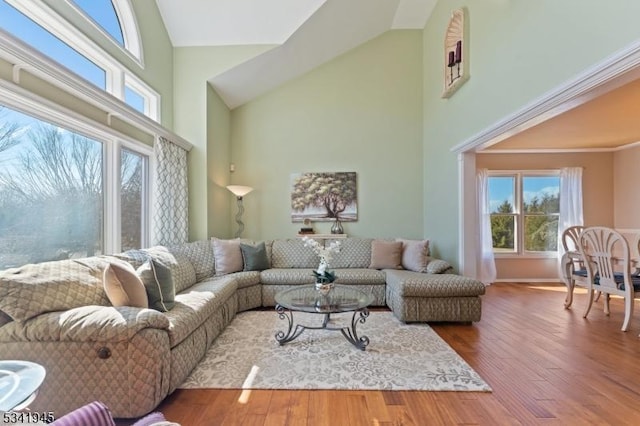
(399, 357)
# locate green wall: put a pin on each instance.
(519, 50)
(361, 112)
(193, 120)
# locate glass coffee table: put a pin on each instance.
(307, 299)
(19, 383)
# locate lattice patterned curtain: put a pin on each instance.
(171, 200)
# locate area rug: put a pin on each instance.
(399, 357)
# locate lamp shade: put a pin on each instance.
(239, 190)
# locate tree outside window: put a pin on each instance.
(52, 193)
(524, 212)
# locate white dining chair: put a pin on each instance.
(571, 263)
(608, 263)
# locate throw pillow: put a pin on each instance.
(415, 254)
(227, 256)
(158, 284)
(254, 257)
(123, 286)
(386, 254)
(438, 266)
(95, 413)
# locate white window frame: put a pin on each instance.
(116, 75)
(28, 103)
(519, 215)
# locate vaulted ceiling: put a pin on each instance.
(307, 33)
(304, 34)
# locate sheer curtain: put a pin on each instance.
(570, 202)
(171, 194)
(487, 268)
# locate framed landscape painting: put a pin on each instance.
(324, 197)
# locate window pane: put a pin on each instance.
(503, 232)
(541, 194)
(131, 193)
(541, 233)
(104, 14)
(51, 194)
(28, 31)
(134, 99)
(501, 194)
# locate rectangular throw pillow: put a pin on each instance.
(386, 254)
(123, 286)
(158, 284)
(415, 254)
(254, 257)
(227, 256)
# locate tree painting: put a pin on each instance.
(324, 197)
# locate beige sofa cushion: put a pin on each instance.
(123, 286)
(354, 253)
(386, 254)
(292, 253)
(33, 289)
(84, 324)
(182, 271)
(415, 254)
(228, 257)
(200, 254)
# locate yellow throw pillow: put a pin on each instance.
(123, 286)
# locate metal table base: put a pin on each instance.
(294, 330)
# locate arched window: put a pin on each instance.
(51, 33)
(117, 19)
(103, 13)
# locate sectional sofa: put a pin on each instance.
(63, 314)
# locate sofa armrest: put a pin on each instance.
(85, 324)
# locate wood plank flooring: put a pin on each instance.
(546, 365)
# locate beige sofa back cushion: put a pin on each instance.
(291, 253)
(33, 289)
(200, 254)
(354, 253)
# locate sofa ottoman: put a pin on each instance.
(419, 297)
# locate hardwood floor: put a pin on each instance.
(546, 365)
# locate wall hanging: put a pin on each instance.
(324, 197)
(456, 52)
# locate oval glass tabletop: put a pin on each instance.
(19, 380)
(340, 299)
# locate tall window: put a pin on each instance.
(525, 208)
(133, 168)
(53, 186)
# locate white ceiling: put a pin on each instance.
(306, 33)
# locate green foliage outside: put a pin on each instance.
(540, 225)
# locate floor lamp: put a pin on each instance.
(239, 191)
